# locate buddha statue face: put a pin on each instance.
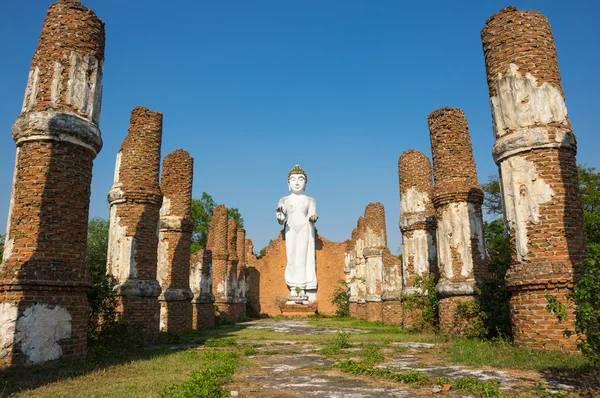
(297, 183)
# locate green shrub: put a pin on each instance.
(426, 300)
(341, 299)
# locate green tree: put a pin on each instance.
(492, 199)
(202, 210)
(101, 296)
(494, 293)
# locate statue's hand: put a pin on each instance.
(280, 215)
(313, 219)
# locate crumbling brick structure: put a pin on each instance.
(201, 282)
(356, 275)
(535, 150)
(235, 308)
(135, 201)
(242, 277)
(417, 224)
(252, 281)
(457, 199)
(373, 274)
(218, 243)
(43, 301)
(174, 242)
(375, 244)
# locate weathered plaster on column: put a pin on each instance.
(39, 330)
(522, 103)
(523, 192)
(458, 227)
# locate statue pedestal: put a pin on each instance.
(298, 310)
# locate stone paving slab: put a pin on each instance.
(297, 327)
(328, 386)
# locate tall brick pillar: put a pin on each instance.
(43, 304)
(357, 274)
(201, 280)
(217, 244)
(174, 242)
(457, 199)
(242, 278)
(135, 200)
(253, 280)
(417, 224)
(535, 150)
(375, 244)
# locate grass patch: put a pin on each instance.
(489, 388)
(505, 355)
(360, 368)
(371, 355)
(217, 369)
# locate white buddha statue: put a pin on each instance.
(299, 213)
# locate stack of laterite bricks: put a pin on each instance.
(457, 200)
(375, 241)
(135, 200)
(218, 245)
(535, 150)
(175, 239)
(43, 279)
(417, 224)
(201, 280)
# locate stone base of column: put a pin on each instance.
(374, 311)
(353, 308)
(175, 315)
(447, 311)
(361, 311)
(392, 312)
(142, 312)
(203, 315)
(39, 326)
(535, 327)
(230, 311)
(413, 317)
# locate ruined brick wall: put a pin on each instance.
(457, 200)
(242, 277)
(217, 244)
(175, 240)
(232, 259)
(270, 270)
(201, 280)
(135, 201)
(417, 224)
(43, 275)
(535, 150)
(375, 243)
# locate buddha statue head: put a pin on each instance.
(297, 179)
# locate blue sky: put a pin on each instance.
(340, 87)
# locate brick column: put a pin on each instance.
(43, 276)
(358, 272)
(217, 244)
(535, 150)
(203, 309)
(242, 278)
(135, 200)
(253, 280)
(417, 224)
(175, 240)
(375, 244)
(457, 200)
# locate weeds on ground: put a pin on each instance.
(499, 353)
(490, 388)
(371, 355)
(217, 369)
(360, 368)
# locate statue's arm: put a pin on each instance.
(312, 211)
(281, 211)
